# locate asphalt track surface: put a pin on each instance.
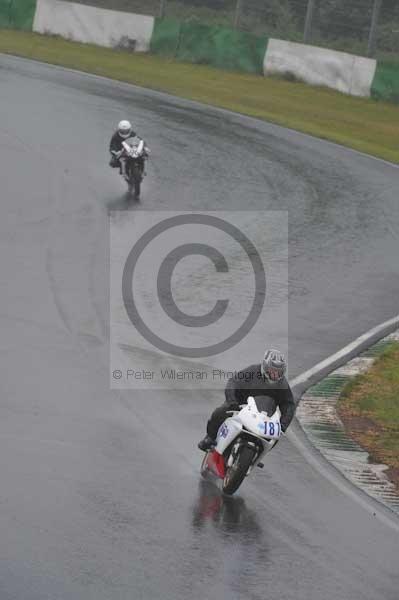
(90, 506)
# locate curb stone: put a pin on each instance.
(319, 419)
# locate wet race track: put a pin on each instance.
(100, 493)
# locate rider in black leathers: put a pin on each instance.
(124, 132)
(263, 379)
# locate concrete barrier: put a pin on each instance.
(221, 47)
(89, 24)
(320, 66)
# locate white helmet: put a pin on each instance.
(125, 129)
(273, 365)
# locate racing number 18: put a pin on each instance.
(269, 425)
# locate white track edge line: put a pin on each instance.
(345, 351)
(312, 455)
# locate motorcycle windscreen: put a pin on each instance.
(266, 404)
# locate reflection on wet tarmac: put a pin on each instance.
(239, 530)
(228, 514)
(122, 203)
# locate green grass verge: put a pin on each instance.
(369, 407)
(366, 125)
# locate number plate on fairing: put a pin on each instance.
(270, 429)
(223, 431)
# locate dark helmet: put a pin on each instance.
(273, 366)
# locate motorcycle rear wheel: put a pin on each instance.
(236, 473)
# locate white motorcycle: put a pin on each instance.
(134, 156)
(242, 441)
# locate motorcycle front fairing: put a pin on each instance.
(259, 423)
(140, 148)
(133, 149)
(228, 431)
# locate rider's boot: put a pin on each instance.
(207, 443)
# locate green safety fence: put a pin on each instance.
(209, 44)
(165, 37)
(17, 14)
(385, 84)
(5, 14)
(195, 42)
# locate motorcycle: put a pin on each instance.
(242, 441)
(134, 157)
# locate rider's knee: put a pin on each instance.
(114, 163)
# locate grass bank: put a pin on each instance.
(369, 409)
(366, 125)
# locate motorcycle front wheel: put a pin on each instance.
(136, 179)
(204, 465)
(236, 473)
(134, 187)
(137, 188)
